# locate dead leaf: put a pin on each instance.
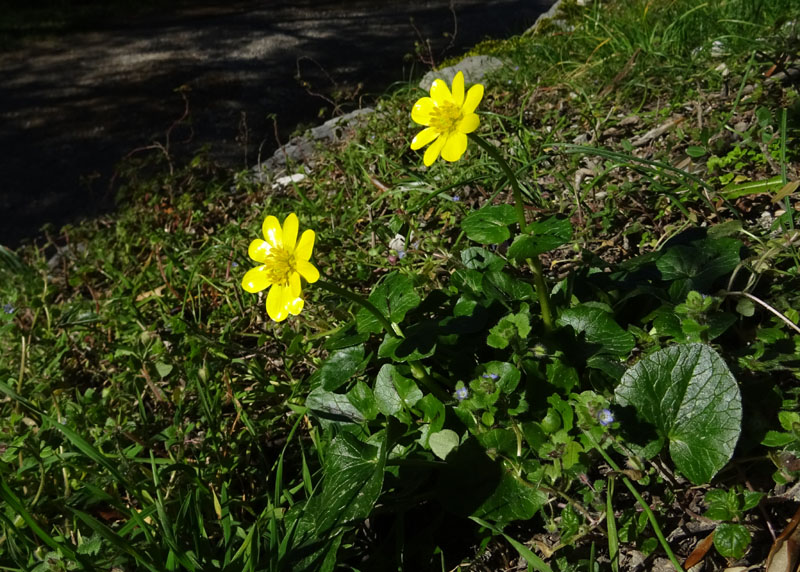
(700, 551)
(785, 551)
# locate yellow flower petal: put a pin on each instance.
(277, 302)
(421, 112)
(432, 153)
(258, 250)
(290, 226)
(305, 246)
(454, 147)
(271, 229)
(458, 89)
(295, 306)
(256, 279)
(424, 137)
(308, 271)
(439, 92)
(294, 284)
(474, 96)
(469, 123)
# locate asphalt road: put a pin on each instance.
(72, 105)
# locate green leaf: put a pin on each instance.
(696, 266)
(718, 505)
(513, 499)
(433, 412)
(509, 328)
(694, 151)
(362, 398)
(353, 480)
(731, 540)
(691, 398)
(489, 225)
(163, 369)
(777, 439)
(541, 236)
(332, 407)
(600, 329)
(477, 258)
(442, 442)
(386, 396)
(394, 297)
(340, 366)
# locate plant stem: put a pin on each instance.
(645, 507)
(534, 264)
(358, 299)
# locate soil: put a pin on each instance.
(73, 104)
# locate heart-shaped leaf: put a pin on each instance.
(599, 328)
(489, 225)
(691, 398)
(541, 236)
(394, 297)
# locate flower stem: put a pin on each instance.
(534, 264)
(358, 299)
(645, 507)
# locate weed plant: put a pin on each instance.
(572, 345)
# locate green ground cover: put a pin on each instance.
(592, 355)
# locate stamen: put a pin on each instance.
(446, 117)
(280, 266)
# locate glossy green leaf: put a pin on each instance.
(688, 394)
(340, 366)
(476, 258)
(489, 225)
(541, 236)
(394, 297)
(731, 540)
(599, 328)
(695, 266)
(363, 399)
(332, 407)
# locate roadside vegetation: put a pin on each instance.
(572, 348)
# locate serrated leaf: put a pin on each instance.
(394, 297)
(731, 540)
(442, 442)
(599, 328)
(489, 225)
(691, 398)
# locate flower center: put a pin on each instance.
(280, 265)
(446, 117)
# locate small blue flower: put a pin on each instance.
(8, 309)
(456, 198)
(490, 376)
(401, 254)
(235, 264)
(605, 417)
(462, 393)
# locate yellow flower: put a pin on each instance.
(283, 261)
(448, 117)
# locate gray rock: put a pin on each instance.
(474, 68)
(301, 149)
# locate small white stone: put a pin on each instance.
(288, 180)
